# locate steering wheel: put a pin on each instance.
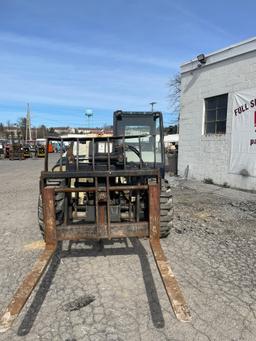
(136, 151)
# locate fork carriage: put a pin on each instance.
(103, 196)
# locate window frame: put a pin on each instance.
(215, 107)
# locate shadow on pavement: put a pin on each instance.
(41, 293)
(97, 249)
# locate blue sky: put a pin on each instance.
(66, 56)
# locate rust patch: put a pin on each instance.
(36, 245)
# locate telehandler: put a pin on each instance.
(105, 188)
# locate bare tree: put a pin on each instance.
(174, 92)
(2, 130)
(22, 125)
(51, 131)
(42, 131)
(174, 96)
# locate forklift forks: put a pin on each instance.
(101, 230)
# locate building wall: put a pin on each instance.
(207, 156)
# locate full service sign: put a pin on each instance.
(243, 141)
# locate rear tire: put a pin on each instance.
(166, 209)
(59, 208)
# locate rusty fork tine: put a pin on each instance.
(24, 291)
(171, 285)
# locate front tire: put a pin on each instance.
(166, 209)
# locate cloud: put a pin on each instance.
(56, 74)
(30, 78)
(75, 49)
(198, 20)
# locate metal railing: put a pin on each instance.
(115, 151)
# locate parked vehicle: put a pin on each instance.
(1, 150)
(26, 151)
(40, 151)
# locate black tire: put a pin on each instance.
(59, 207)
(166, 209)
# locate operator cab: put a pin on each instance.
(148, 127)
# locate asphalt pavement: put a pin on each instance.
(113, 291)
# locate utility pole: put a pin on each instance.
(152, 105)
(28, 124)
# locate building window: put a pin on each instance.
(216, 114)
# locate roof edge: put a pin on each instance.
(230, 51)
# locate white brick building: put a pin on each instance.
(207, 116)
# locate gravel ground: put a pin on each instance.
(114, 292)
